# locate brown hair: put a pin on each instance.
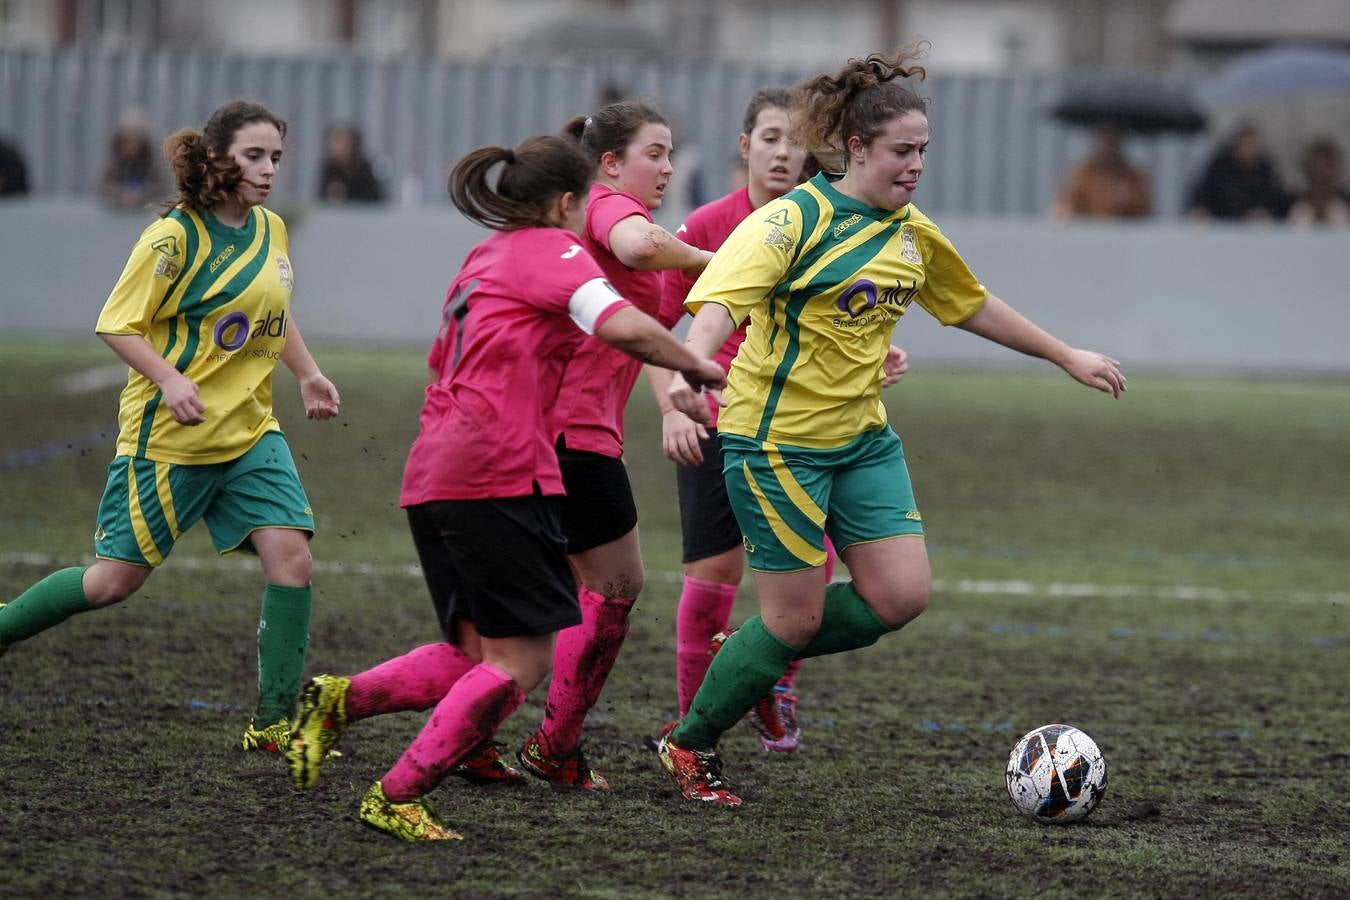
(765, 98)
(611, 128)
(203, 180)
(538, 171)
(857, 101)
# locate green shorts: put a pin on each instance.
(147, 505)
(787, 498)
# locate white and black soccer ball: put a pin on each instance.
(1056, 774)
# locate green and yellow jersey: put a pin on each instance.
(215, 302)
(823, 279)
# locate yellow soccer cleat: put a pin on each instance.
(413, 821)
(272, 739)
(321, 723)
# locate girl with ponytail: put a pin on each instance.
(201, 314)
(483, 488)
(824, 274)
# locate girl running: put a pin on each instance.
(482, 486)
(824, 273)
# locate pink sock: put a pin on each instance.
(415, 681)
(705, 609)
(581, 662)
(463, 721)
(831, 559)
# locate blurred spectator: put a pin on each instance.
(132, 176)
(1324, 200)
(347, 175)
(1239, 183)
(13, 171)
(1105, 185)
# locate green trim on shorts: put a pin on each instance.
(787, 498)
(260, 489)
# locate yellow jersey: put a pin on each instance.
(215, 302)
(823, 279)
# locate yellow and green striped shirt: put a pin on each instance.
(823, 279)
(215, 302)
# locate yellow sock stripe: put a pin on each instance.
(786, 536)
(166, 498)
(796, 493)
(138, 526)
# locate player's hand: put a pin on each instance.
(320, 396)
(184, 400)
(680, 436)
(894, 367)
(686, 390)
(1096, 370)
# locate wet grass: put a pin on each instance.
(1170, 577)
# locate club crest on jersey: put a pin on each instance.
(909, 245)
(780, 239)
(167, 265)
(285, 273)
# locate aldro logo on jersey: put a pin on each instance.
(234, 330)
(862, 298)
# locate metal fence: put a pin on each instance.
(996, 152)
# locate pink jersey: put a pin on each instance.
(600, 378)
(706, 228)
(505, 340)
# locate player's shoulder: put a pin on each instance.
(166, 236)
(918, 219)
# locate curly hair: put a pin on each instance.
(205, 180)
(857, 101)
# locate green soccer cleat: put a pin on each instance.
(321, 722)
(413, 821)
(272, 739)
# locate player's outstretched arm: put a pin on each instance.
(642, 337)
(320, 396)
(680, 435)
(1000, 323)
(648, 247)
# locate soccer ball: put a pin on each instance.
(1056, 774)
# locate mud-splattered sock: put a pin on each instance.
(415, 681)
(465, 719)
(584, 656)
(705, 609)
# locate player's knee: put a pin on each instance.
(903, 602)
(107, 586)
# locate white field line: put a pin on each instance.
(1066, 590)
(91, 380)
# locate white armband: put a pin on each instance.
(590, 301)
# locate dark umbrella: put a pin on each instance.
(1142, 105)
(1281, 72)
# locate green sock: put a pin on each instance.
(744, 670)
(847, 623)
(49, 602)
(283, 642)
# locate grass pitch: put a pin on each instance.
(1166, 572)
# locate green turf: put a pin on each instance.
(1167, 572)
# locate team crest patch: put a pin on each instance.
(167, 268)
(909, 249)
(780, 239)
(284, 271)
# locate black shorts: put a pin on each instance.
(501, 564)
(599, 505)
(707, 524)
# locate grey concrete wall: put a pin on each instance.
(1160, 296)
